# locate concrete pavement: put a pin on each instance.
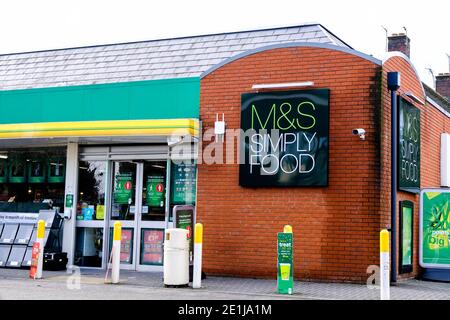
(89, 285)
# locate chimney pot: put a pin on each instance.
(443, 85)
(399, 42)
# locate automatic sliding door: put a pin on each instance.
(152, 215)
(124, 209)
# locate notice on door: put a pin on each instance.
(155, 191)
(123, 188)
(126, 246)
(152, 246)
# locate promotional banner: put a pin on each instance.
(285, 276)
(36, 171)
(123, 188)
(406, 236)
(56, 170)
(435, 229)
(286, 138)
(17, 170)
(3, 171)
(152, 246)
(155, 191)
(409, 147)
(184, 183)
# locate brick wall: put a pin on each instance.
(336, 228)
(433, 123)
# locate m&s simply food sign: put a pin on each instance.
(285, 139)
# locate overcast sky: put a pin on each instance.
(28, 25)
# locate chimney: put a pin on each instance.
(399, 42)
(443, 85)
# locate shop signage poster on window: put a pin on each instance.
(123, 188)
(435, 229)
(155, 191)
(286, 138)
(56, 170)
(36, 171)
(17, 170)
(152, 246)
(126, 246)
(409, 147)
(3, 171)
(184, 181)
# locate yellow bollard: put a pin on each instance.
(117, 238)
(198, 242)
(40, 235)
(384, 265)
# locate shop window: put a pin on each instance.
(26, 183)
(91, 190)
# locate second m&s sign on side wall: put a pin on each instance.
(286, 138)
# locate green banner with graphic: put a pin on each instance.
(435, 222)
(3, 170)
(155, 191)
(17, 170)
(36, 171)
(56, 170)
(285, 277)
(123, 188)
(407, 217)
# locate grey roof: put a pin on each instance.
(439, 99)
(145, 60)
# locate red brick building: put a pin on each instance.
(336, 227)
(91, 134)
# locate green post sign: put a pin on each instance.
(155, 191)
(435, 229)
(285, 277)
(123, 188)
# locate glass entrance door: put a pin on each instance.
(124, 209)
(152, 214)
(139, 202)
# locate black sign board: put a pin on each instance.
(285, 138)
(409, 147)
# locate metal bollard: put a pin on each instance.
(198, 241)
(384, 265)
(40, 239)
(115, 272)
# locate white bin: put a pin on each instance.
(176, 257)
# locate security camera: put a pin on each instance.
(360, 132)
